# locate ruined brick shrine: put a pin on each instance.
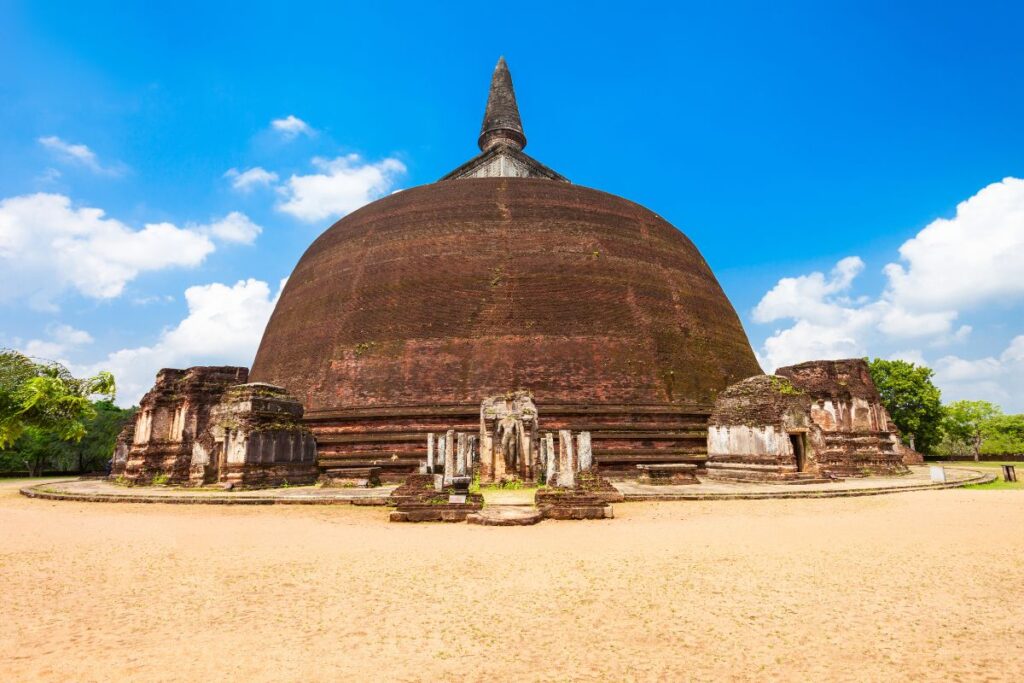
(505, 312)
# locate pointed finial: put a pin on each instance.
(501, 119)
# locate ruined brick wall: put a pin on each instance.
(171, 419)
(846, 405)
(122, 446)
(750, 427)
(259, 440)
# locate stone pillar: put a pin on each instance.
(551, 465)
(430, 453)
(542, 455)
(566, 477)
(449, 457)
(460, 455)
(584, 453)
(470, 454)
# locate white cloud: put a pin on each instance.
(48, 246)
(247, 181)
(809, 296)
(989, 378)
(971, 259)
(62, 339)
(951, 267)
(224, 326)
(49, 175)
(77, 154)
(909, 355)
(291, 127)
(343, 185)
(235, 227)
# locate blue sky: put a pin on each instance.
(800, 145)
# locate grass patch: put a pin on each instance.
(999, 485)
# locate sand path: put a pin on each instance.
(922, 586)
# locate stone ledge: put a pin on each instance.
(659, 496)
(336, 497)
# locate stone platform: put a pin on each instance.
(103, 491)
(917, 480)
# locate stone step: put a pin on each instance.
(506, 515)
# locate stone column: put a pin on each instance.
(542, 462)
(430, 453)
(460, 454)
(584, 453)
(551, 464)
(470, 454)
(449, 457)
(566, 460)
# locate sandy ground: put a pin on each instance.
(913, 586)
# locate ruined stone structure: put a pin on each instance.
(259, 440)
(172, 421)
(404, 315)
(204, 425)
(574, 489)
(816, 419)
(122, 445)
(761, 430)
(846, 405)
(508, 438)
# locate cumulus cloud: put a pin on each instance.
(343, 185)
(971, 259)
(291, 126)
(992, 378)
(77, 154)
(47, 246)
(61, 340)
(224, 326)
(809, 296)
(235, 227)
(950, 268)
(248, 180)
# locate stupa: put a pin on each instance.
(503, 276)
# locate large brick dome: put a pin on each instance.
(450, 292)
(405, 314)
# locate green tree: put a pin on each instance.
(966, 423)
(40, 400)
(46, 396)
(94, 450)
(1003, 434)
(33, 451)
(912, 399)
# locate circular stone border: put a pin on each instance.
(39, 491)
(980, 478)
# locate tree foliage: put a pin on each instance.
(912, 399)
(37, 450)
(965, 423)
(1003, 434)
(47, 397)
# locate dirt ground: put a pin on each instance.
(912, 586)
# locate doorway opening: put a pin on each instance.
(799, 450)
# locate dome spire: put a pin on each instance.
(502, 125)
